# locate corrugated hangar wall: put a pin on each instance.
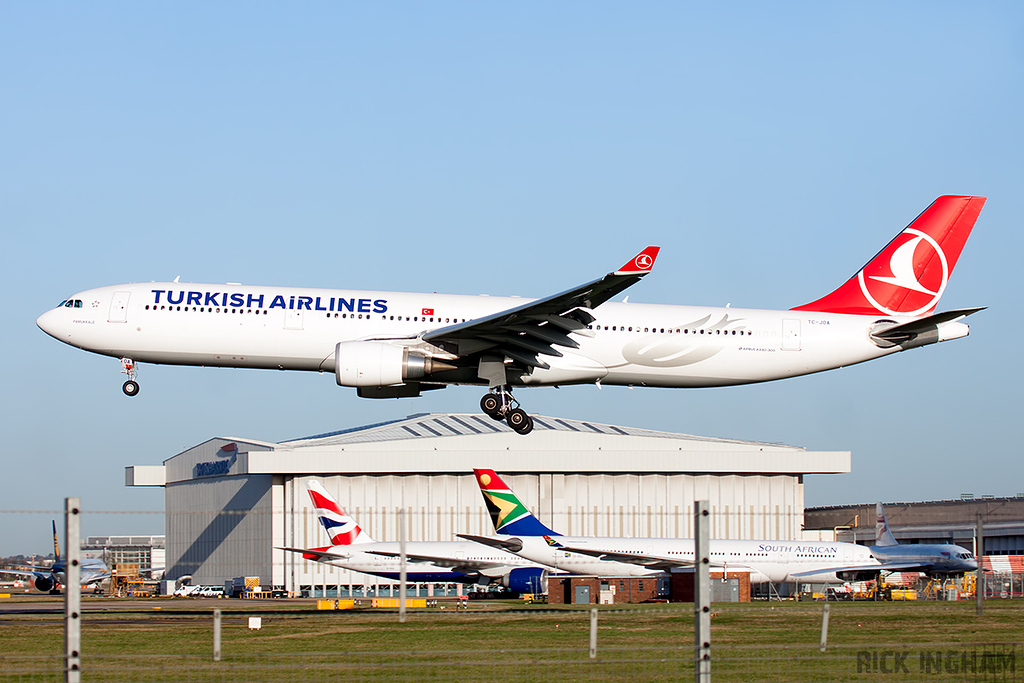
(232, 503)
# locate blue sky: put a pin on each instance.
(504, 149)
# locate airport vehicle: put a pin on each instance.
(767, 561)
(937, 560)
(51, 578)
(396, 344)
(426, 561)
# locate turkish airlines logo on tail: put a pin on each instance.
(643, 262)
(908, 277)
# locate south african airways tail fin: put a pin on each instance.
(508, 513)
(909, 275)
(340, 527)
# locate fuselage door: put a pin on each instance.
(293, 320)
(119, 307)
(790, 335)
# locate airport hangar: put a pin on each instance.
(230, 503)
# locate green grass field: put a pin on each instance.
(507, 641)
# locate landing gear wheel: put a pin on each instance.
(519, 421)
(130, 388)
(491, 405)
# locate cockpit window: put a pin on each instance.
(71, 303)
(62, 303)
(78, 303)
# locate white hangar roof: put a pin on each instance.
(430, 443)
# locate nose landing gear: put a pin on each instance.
(131, 387)
(498, 404)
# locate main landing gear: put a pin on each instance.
(499, 405)
(131, 387)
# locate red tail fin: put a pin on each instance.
(909, 275)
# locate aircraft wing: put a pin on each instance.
(317, 554)
(524, 333)
(650, 561)
(25, 572)
(887, 567)
(455, 563)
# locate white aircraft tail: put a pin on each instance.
(340, 527)
(883, 537)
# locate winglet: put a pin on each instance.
(640, 264)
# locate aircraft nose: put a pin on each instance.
(49, 322)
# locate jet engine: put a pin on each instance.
(376, 364)
(526, 580)
(44, 583)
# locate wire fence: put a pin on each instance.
(922, 662)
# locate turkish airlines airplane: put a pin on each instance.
(767, 561)
(396, 344)
(429, 561)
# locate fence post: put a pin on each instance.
(824, 628)
(72, 590)
(401, 572)
(702, 592)
(979, 553)
(593, 633)
(216, 635)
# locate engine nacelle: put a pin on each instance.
(44, 583)
(526, 580)
(375, 364)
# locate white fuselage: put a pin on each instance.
(388, 565)
(767, 561)
(298, 329)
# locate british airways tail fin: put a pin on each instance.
(508, 513)
(340, 527)
(883, 537)
(909, 275)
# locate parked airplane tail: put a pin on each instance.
(56, 545)
(508, 513)
(909, 275)
(341, 528)
(883, 537)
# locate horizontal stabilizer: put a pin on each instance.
(924, 324)
(317, 554)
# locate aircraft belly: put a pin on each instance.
(682, 363)
(245, 344)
